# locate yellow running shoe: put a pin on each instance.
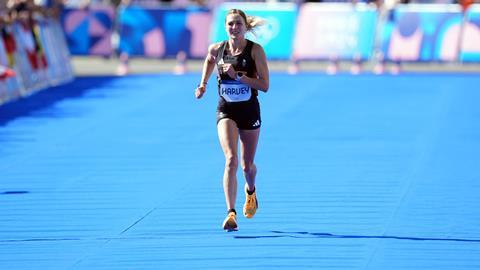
(251, 204)
(230, 222)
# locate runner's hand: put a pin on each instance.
(200, 91)
(228, 69)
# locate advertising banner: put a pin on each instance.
(89, 31)
(422, 32)
(470, 51)
(276, 35)
(164, 32)
(335, 30)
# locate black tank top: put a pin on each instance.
(241, 62)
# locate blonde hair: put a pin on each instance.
(251, 22)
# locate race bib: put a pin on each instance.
(233, 91)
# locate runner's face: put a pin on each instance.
(235, 26)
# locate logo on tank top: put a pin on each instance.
(230, 59)
(244, 63)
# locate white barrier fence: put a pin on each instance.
(33, 57)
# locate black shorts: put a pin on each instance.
(246, 117)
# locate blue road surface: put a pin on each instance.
(355, 172)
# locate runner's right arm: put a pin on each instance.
(208, 66)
